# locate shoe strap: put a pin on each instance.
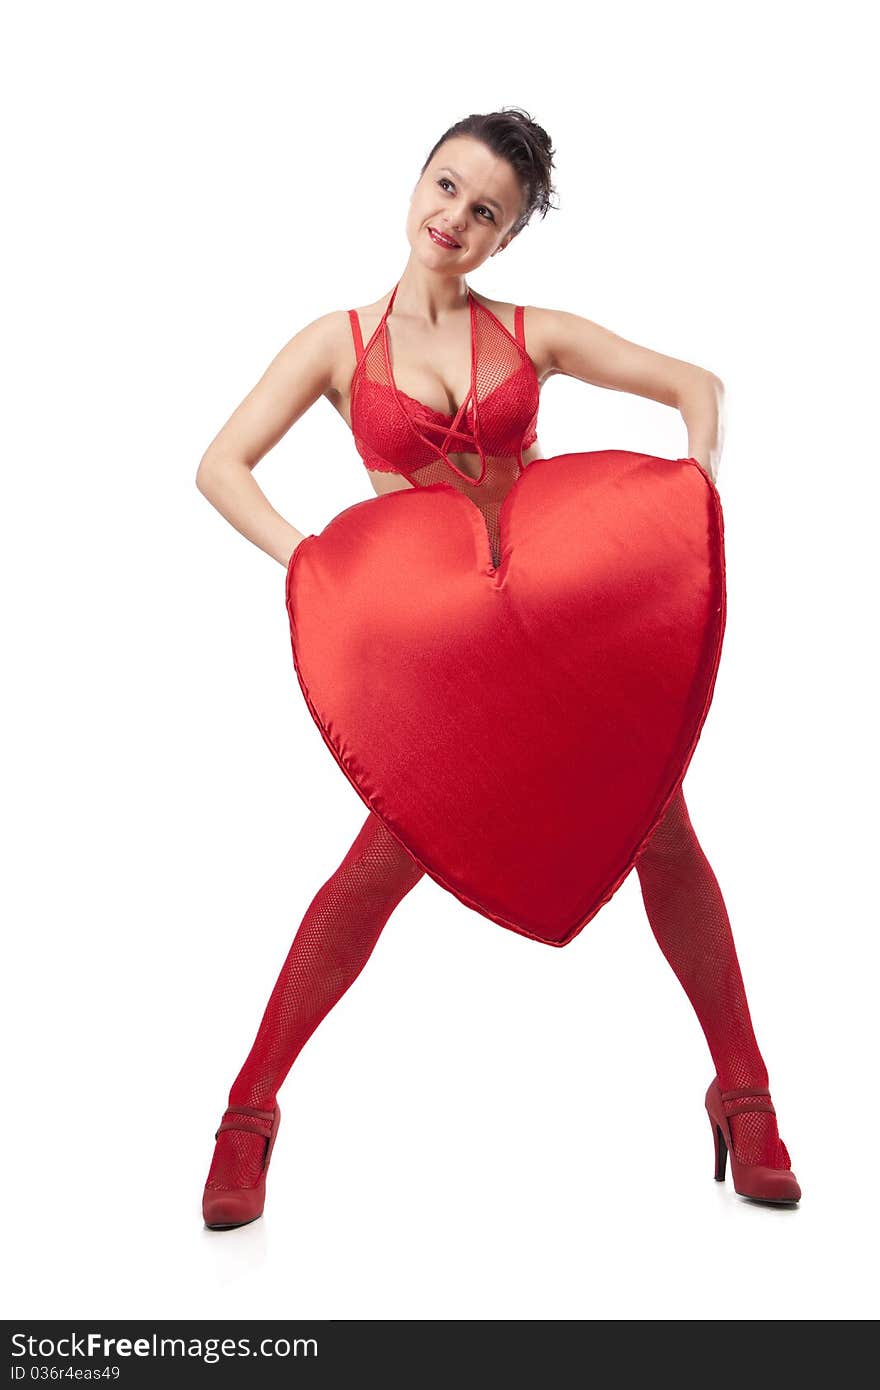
(753, 1100)
(251, 1122)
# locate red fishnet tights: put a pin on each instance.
(331, 947)
(688, 917)
(346, 917)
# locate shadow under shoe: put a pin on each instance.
(225, 1208)
(761, 1183)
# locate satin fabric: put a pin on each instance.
(519, 729)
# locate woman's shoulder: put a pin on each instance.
(368, 315)
(336, 323)
(339, 333)
(504, 312)
(537, 328)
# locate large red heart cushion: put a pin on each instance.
(520, 730)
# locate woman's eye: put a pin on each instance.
(481, 208)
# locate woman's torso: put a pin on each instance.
(416, 419)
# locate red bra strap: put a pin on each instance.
(518, 325)
(356, 333)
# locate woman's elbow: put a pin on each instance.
(203, 470)
(207, 473)
(696, 387)
(716, 383)
(702, 385)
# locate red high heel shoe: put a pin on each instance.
(749, 1179)
(224, 1209)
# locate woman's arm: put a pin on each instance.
(292, 382)
(580, 348)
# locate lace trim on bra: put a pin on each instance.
(445, 417)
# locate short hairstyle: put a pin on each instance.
(513, 135)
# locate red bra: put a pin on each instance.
(395, 433)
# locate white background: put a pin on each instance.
(483, 1127)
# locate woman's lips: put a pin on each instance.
(439, 240)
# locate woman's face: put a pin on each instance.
(470, 194)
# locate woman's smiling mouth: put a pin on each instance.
(441, 239)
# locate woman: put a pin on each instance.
(396, 380)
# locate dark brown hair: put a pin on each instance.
(513, 135)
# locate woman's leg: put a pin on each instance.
(688, 917)
(331, 947)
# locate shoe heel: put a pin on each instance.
(754, 1180)
(720, 1151)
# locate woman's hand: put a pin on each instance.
(286, 563)
(708, 462)
(702, 409)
